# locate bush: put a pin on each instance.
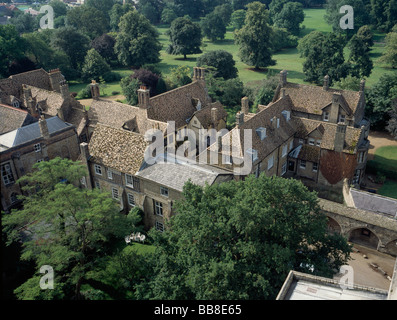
(84, 93)
(111, 76)
(377, 168)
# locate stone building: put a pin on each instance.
(316, 134)
(21, 148)
(12, 118)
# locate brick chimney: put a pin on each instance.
(245, 105)
(143, 97)
(283, 78)
(334, 112)
(64, 88)
(85, 155)
(340, 134)
(362, 85)
(214, 117)
(44, 128)
(55, 77)
(326, 83)
(198, 74)
(30, 102)
(239, 118)
(94, 90)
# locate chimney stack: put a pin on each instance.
(239, 118)
(334, 112)
(29, 101)
(94, 90)
(85, 154)
(44, 128)
(274, 122)
(55, 77)
(283, 78)
(143, 97)
(214, 117)
(326, 83)
(340, 134)
(362, 85)
(245, 105)
(64, 88)
(198, 73)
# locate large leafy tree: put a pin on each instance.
(222, 61)
(66, 227)
(254, 38)
(213, 26)
(323, 55)
(94, 66)
(359, 46)
(389, 56)
(290, 17)
(239, 240)
(12, 47)
(137, 41)
(185, 37)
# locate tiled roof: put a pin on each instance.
(13, 118)
(204, 114)
(176, 173)
(118, 149)
(305, 126)
(179, 104)
(50, 101)
(312, 99)
(119, 115)
(38, 78)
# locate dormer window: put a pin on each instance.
(311, 141)
(342, 118)
(326, 116)
(253, 153)
(286, 114)
(261, 132)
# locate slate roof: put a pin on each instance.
(116, 148)
(13, 118)
(121, 115)
(312, 99)
(175, 174)
(373, 202)
(178, 104)
(30, 133)
(306, 152)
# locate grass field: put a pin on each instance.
(389, 189)
(386, 157)
(287, 59)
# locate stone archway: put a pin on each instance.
(333, 226)
(391, 248)
(365, 237)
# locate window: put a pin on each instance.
(315, 166)
(131, 199)
(110, 174)
(40, 160)
(37, 147)
(311, 141)
(285, 150)
(6, 174)
(302, 164)
(129, 180)
(97, 185)
(286, 114)
(270, 162)
(342, 118)
(253, 153)
(326, 116)
(284, 168)
(115, 193)
(356, 177)
(301, 141)
(159, 226)
(291, 144)
(361, 157)
(98, 169)
(164, 191)
(158, 208)
(318, 143)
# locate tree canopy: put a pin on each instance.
(222, 61)
(239, 240)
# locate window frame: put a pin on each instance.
(117, 193)
(302, 164)
(315, 166)
(164, 191)
(325, 116)
(270, 162)
(37, 147)
(98, 169)
(131, 185)
(9, 175)
(158, 208)
(133, 204)
(159, 226)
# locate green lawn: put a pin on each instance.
(389, 189)
(287, 59)
(387, 157)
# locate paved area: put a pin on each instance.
(367, 275)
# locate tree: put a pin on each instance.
(103, 5)
(275, 7)
(254, 38)
(213, 27)
(104, 44)
(151, 9)
(266, 92)
(69, 228)
(362, 64)
(129, 87)
(379, 100)
(282, 39)
(137, 42)
(222, 61)
(290, 17)
(168, 15)
(192, 8)
(239, 240)
(147, 78)
(180, 76)
(392, 123)
(73, 43)
(24, 23)
(59, 7)
(185, 37)
(12, 47)
(116, 13)
(238, 18)
(324, 56)
(225, 12)
(88, 20)
(94, 66)
(389, 56)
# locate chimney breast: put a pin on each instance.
(44, 128)
(143, 97)
(340, 134)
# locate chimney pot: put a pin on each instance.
(326, 83)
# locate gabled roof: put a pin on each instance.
(117, 148)
(204, 114)
(31, 132)
(179, 104)
(312, 99)
(13, 118)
